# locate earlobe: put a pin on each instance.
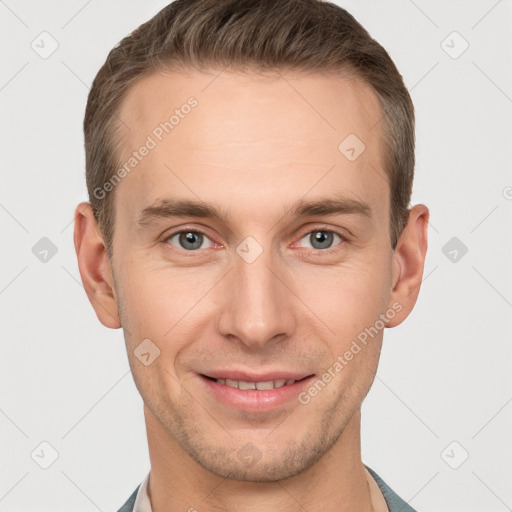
(408, 263)
(94, 266)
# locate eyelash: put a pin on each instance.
(323, 229)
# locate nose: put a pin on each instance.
(258, 306)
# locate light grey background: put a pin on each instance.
(445, 374)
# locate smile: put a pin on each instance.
(256, 396)
(240, 384)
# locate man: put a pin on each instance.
(249, 167)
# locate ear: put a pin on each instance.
(94, 266)
(408, 262)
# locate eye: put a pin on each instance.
(189, 240)
(320, 239)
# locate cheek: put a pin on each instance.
(160, 304)
(347, 298)
(349, 302)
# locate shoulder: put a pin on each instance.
(128, 506)
(394, 502)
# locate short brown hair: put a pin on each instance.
(303, 35)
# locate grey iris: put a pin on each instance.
(321, 239)
(191, 237)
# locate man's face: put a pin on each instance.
(290, 298)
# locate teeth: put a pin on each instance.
(279, 383)
(246, 385)
(264, 385)
(271, 384)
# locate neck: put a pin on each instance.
(335, 482)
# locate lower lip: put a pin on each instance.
(253, 400)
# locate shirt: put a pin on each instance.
(384, 499)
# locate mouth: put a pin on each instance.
(259, 385)
(257, 394)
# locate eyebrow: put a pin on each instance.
(167, 208)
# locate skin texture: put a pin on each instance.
(251, 147)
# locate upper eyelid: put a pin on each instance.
(172, 234)
(324, 228)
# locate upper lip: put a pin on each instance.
(255, 377)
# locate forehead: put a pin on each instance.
(328, 103)
(222, 131)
